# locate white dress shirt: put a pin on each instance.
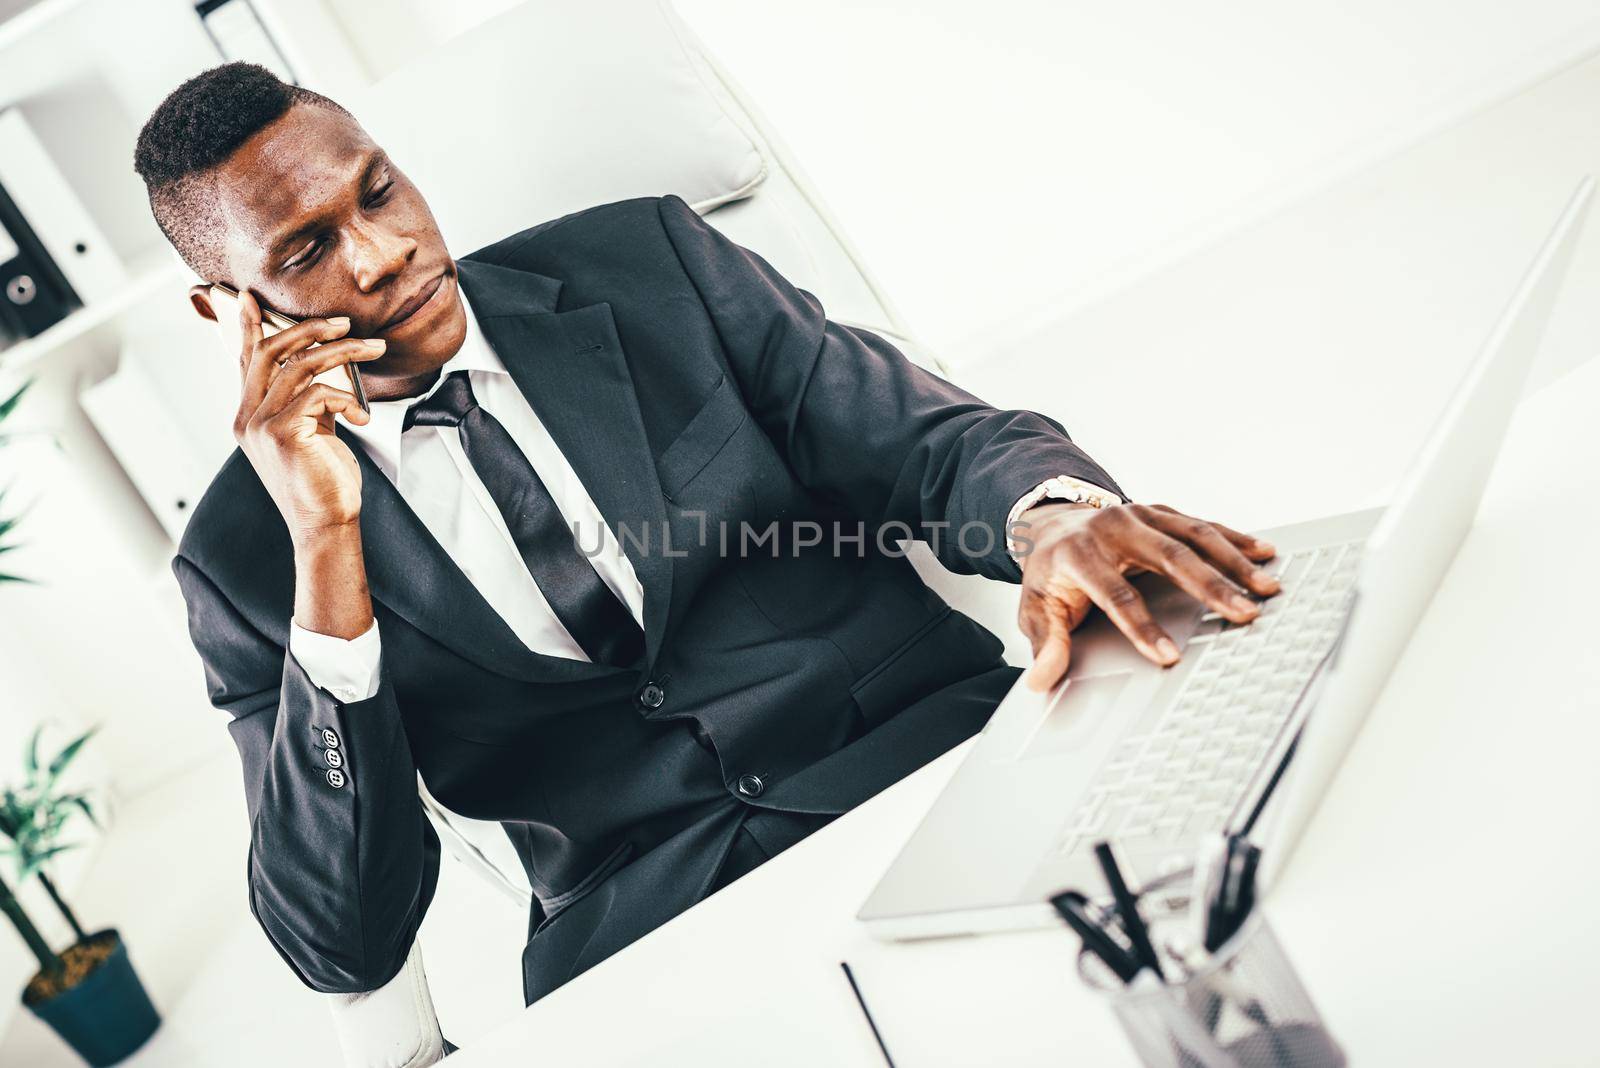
(431, 471)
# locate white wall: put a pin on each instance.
(1074, 144)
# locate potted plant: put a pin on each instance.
(88, 992)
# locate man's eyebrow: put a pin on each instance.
(282, 244)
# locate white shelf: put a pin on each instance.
(15, 29)
(28, 353)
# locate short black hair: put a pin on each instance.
(195, 129)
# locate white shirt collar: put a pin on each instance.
(382, 434)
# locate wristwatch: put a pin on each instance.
(1063, 488)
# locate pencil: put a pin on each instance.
(854, 986)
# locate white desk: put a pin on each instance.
(1486, 738)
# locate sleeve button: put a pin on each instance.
(330, 739)
(652, 696)
(335, 778)
(334, 758)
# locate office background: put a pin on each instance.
(1158, 190)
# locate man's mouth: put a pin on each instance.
(424, 298)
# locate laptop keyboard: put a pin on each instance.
(1185, 776)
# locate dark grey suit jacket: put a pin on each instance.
(695, 391)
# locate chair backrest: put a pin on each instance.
(561, 106)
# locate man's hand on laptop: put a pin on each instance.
(1080, 556)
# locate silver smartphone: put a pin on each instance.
(225, 303)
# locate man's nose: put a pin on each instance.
(379, 255)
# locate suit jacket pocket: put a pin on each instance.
(948, 648)
(707, 431)
(556, 905)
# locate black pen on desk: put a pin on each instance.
(1128, 909)
(1070, 905)
(856, 988)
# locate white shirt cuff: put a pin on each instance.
(1060, 488)
(346, 668)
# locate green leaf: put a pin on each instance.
(63, 758)
(9, 523)
(11, 809)
(30, 756)
(83, 803)
(9, 405)
(38, 860)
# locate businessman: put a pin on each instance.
(614, 560)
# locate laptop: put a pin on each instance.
(1152, 759)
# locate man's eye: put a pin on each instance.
(306, 258)
(379, 194)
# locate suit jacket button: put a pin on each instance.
(751, 785)
(334, 758)
(335, 778)
(330, 739)
(652, 696)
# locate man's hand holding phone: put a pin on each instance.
(285, 420)
(285, 426)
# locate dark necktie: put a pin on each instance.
(584, 604)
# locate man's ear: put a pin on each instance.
(200, 297)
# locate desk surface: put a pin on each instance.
(1484, 739)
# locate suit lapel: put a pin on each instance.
(570, 367)
(412, 574)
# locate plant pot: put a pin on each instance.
(106, 1014)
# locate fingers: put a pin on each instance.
(1123, 605)
(254, 373)
(1221, 552)
(1257, 549)
(1086, 558)
(303, 335)
(249, 325)
(1049, 630)
(265, 354)
(299, 369)
(1195, 577)
(301, 414)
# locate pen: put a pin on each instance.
(1071, 907)
(1128, 909)
(848, 974)
(1237, 896)
(1210, 863)
(1205, 895)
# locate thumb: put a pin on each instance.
(1053, 655)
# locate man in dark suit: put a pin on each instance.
(614, 559)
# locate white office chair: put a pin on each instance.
(555, 107)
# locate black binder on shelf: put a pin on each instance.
(34, 294)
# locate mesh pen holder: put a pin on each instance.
(1242, 1007)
